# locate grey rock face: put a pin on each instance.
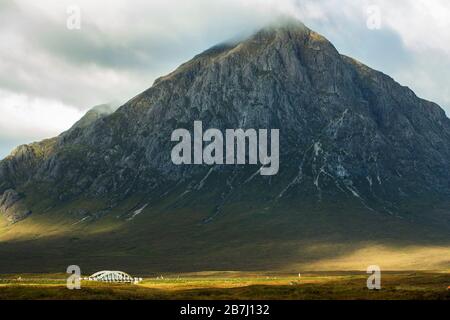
(345, 129)
(13, 207)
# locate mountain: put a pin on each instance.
(93, 115)
(364, 164)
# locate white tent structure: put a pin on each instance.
(113, 276)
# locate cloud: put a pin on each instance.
(24, 116)
(26, 119)
(119, 50)
(123, 46)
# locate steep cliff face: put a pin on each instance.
(351, 140)
(342, 125)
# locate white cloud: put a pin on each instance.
(423, 25)
(34, 118)
(123, 46)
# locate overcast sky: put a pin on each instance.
(51, 75)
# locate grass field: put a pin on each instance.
(234, 285)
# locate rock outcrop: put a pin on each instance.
(13, 207)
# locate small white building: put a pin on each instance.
(113, 276)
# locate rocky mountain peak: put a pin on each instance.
(336, 117)
(362, 160)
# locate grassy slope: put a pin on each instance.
(170, 236)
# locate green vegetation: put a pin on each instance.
(170, 236)
(234, 285)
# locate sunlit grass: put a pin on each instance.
(406, 285)
(387, 257)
